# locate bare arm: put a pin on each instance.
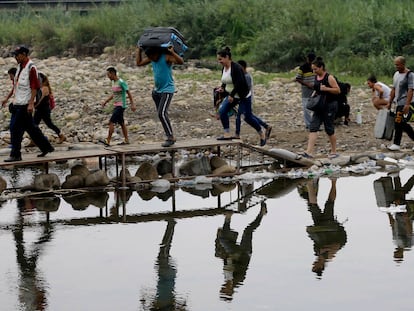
(141, 61)
(107, 100)
(379, 89)
(334, 87)
(131, 101)
(8, 97)
(174, 58)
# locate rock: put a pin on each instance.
(217, 162)
(98, 178)
(80, 170)
(44, 182)
(146, 172)
(73, 182)
(195, 167)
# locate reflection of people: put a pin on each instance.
(164, 83)
(236, 257)
(402, 94)
(327, 233)
(394, 195)
(166, 297)
(32, 288)
(306, 78)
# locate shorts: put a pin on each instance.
(117, 115)
(327, 117)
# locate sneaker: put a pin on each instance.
(168, 143)
(13, 159)
(394, 147)
(44, 153)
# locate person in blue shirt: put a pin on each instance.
(164, 88)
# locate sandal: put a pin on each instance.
(105, 142)
(306, 155)
(333, 155)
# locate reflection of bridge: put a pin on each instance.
(273, 189)
(82, 5)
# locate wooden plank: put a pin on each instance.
(98, 150)
(186, 144)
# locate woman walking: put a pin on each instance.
(42, 108)
(233, 81)
(327, 86)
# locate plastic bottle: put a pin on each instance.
(359, 116)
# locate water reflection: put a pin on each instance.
(391, 196)
(327, 233)
(32, 287)
(236, 257)
(165, 297)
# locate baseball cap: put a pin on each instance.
(20, 49)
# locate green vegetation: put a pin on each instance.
(356, 38)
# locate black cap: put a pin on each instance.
(21, 49)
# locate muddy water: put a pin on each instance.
(271, 245)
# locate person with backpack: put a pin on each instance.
(249, 79)
(326, 85)
(43, 108)
(26, 86)
(402, 94)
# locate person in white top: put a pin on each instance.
(380, 92)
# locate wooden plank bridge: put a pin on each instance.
(67, 152)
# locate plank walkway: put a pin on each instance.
(67, 152)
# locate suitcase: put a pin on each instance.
(163, 37)
(384, 124)
(384, 191)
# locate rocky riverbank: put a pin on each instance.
(80, 86)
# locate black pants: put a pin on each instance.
(43, 113)
(21, 121)
(401, 127)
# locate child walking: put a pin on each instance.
(119, 92)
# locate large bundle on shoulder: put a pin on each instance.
(163, 37)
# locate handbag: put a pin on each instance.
(316, 102)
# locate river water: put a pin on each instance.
(284, 244)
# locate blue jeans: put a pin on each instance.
(245, 107)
